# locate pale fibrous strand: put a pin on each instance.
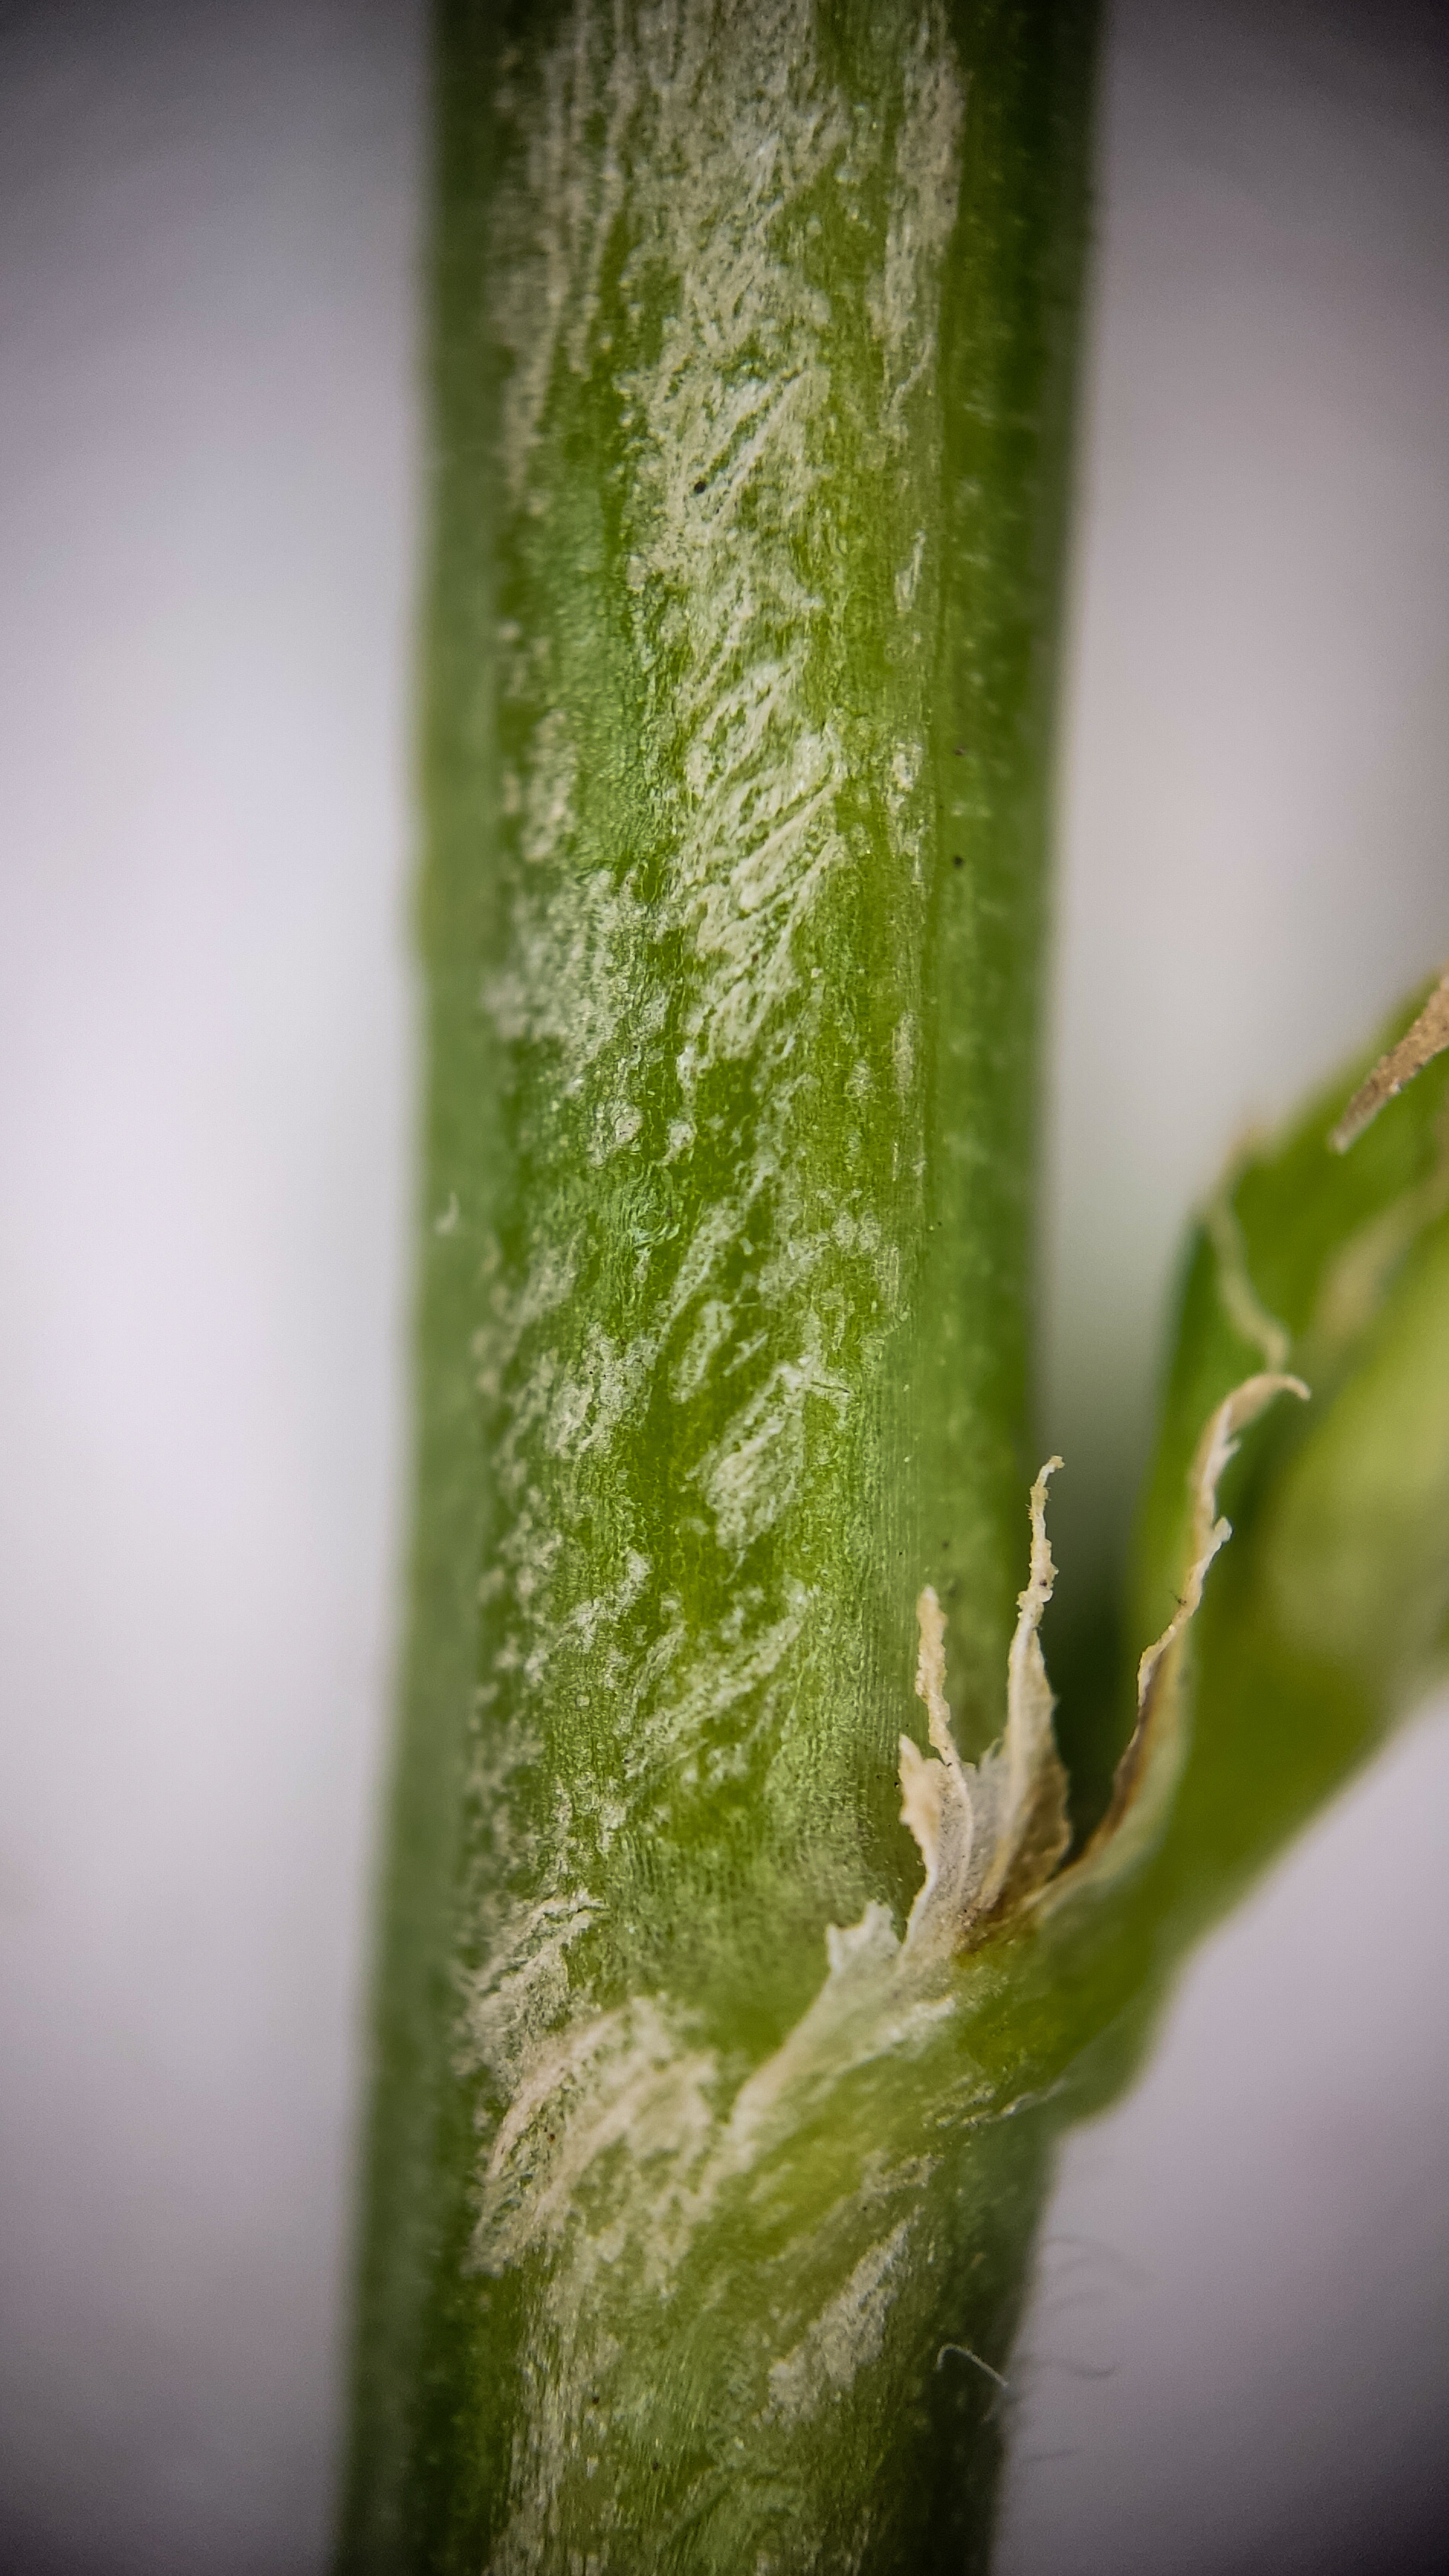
(1428, 1037)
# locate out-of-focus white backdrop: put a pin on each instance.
(209, 470)
(210, 475)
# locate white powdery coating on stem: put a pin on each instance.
(754, 1475)
(718, 125)
(846, 2335)
(663, 199)
(706, 129)
(671, 155)
(738, 399)
(923, 212)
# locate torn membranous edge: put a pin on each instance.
(992, 1834)
(1148, 1771)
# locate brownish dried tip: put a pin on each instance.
(1428, 1037)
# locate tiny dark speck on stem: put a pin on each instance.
(958, 861)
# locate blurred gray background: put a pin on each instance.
(210, 472)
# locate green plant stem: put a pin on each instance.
(754, 343)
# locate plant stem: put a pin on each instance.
(753, 363)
